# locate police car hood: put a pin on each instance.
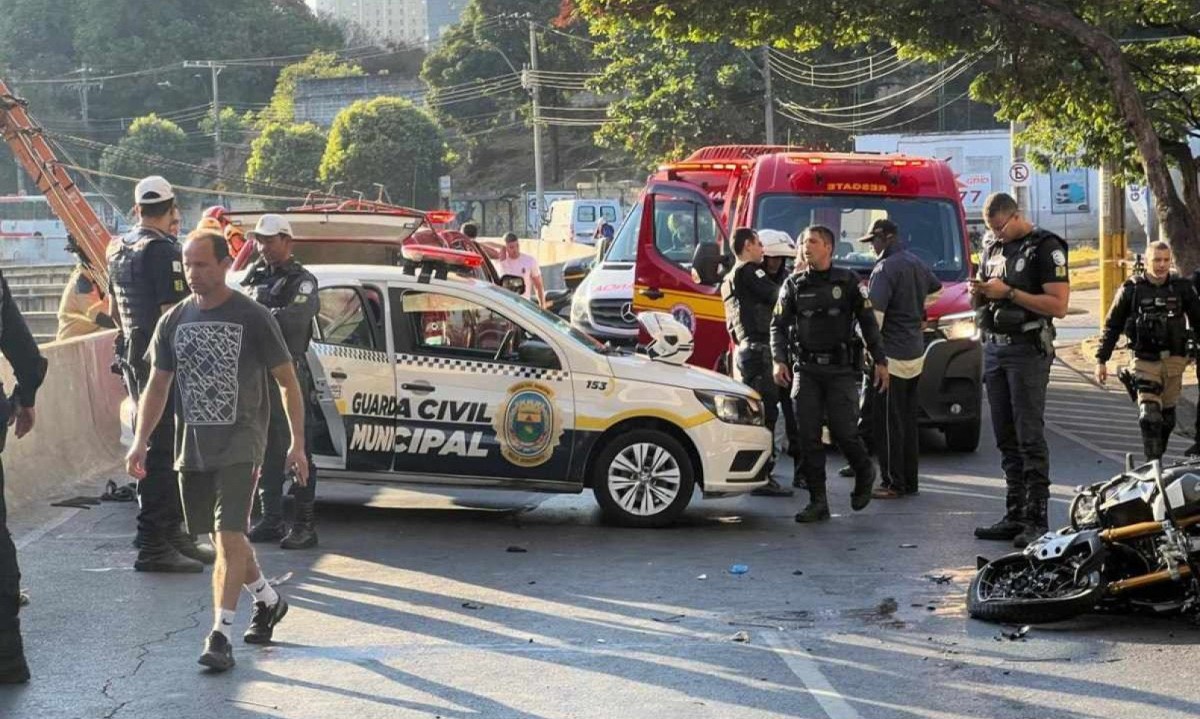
(639, 368)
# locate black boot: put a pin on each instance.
(1036, 523)
(864, 482)
(818, 506)
(188, 547)
(13, 669)
(267, 529)
(157, 555)
(303, 533)
(1010, 525)
(772, 488)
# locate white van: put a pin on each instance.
(576, 220)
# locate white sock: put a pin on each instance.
(224, 621)
(262, 591)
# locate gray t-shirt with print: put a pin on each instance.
(222, 359)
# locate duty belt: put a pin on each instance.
(750, 345)
(836, 358)
(1023, 336)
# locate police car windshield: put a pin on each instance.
(561, 326)
(929, 228)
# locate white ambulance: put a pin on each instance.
(427, 376)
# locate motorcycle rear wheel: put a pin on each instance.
(1017, 590)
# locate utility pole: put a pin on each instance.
(768, 96)
(84, 86)
(538, 177)
(215, 68)
(1112, 234)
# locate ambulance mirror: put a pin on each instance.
(537, 354)
(513, 283)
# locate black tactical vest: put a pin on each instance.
(276, 288)
(131, 282)
(1157, 321)
(745, 319)
(1019, 272)
(824, 306)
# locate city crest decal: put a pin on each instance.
(528, 426)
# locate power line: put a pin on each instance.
(186, 188)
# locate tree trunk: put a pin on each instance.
(1180, 225)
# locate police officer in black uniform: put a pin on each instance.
(817, 352)
(1021, 287)
(145, 270)
(1153, 310)
(280, 283)
(21, 351)
(749, 296)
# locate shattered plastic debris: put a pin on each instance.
(1018, 635)
(471, 605)
(280, 580)
(739, 569)
(908, 546)
(797, 573)
(514, 549)
(702, 577)
(741, 637)
(939, 578)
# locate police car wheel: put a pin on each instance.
(643, 478)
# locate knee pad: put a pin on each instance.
(1148, 386)
(1150, 418)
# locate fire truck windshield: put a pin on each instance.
(929, 228)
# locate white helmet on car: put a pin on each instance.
(776, 243)
(670, 341)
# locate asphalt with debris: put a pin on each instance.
(419, 606)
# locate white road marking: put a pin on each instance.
(49, 526)
(806, 670)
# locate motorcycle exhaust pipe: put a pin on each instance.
(1164, 575)
(1143, 529)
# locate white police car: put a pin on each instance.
(427, 377)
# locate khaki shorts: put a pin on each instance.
(218, 501)
(1167, 372)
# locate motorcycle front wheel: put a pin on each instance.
(1016, 589)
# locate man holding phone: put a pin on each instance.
(1022, 286)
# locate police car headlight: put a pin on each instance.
(732, 408)
(958, 326)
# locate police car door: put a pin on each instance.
(478, 395)
(354, 380)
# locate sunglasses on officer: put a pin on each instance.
(1000, 230)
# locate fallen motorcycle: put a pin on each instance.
(1133, 543)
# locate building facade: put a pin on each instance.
(394, 21)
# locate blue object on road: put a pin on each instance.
(739, 569)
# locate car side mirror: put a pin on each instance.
(537, 354)
(513, 283)
(706, 263)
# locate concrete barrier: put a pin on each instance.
(77, 433)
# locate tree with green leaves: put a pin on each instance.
(390, 142)
(140, 153)
(670, 97)
(1049, 55)
(319, 64)
(286, 154)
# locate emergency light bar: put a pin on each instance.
(440, 217)
(900, 162)
(425, 254)
(701, 166)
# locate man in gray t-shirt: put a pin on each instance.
(219, 347)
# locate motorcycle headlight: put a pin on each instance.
(958, 326)
(732, 408)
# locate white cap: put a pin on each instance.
(270, 225)
(776, 243)
(152, 189)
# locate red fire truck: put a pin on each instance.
(789, 190)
